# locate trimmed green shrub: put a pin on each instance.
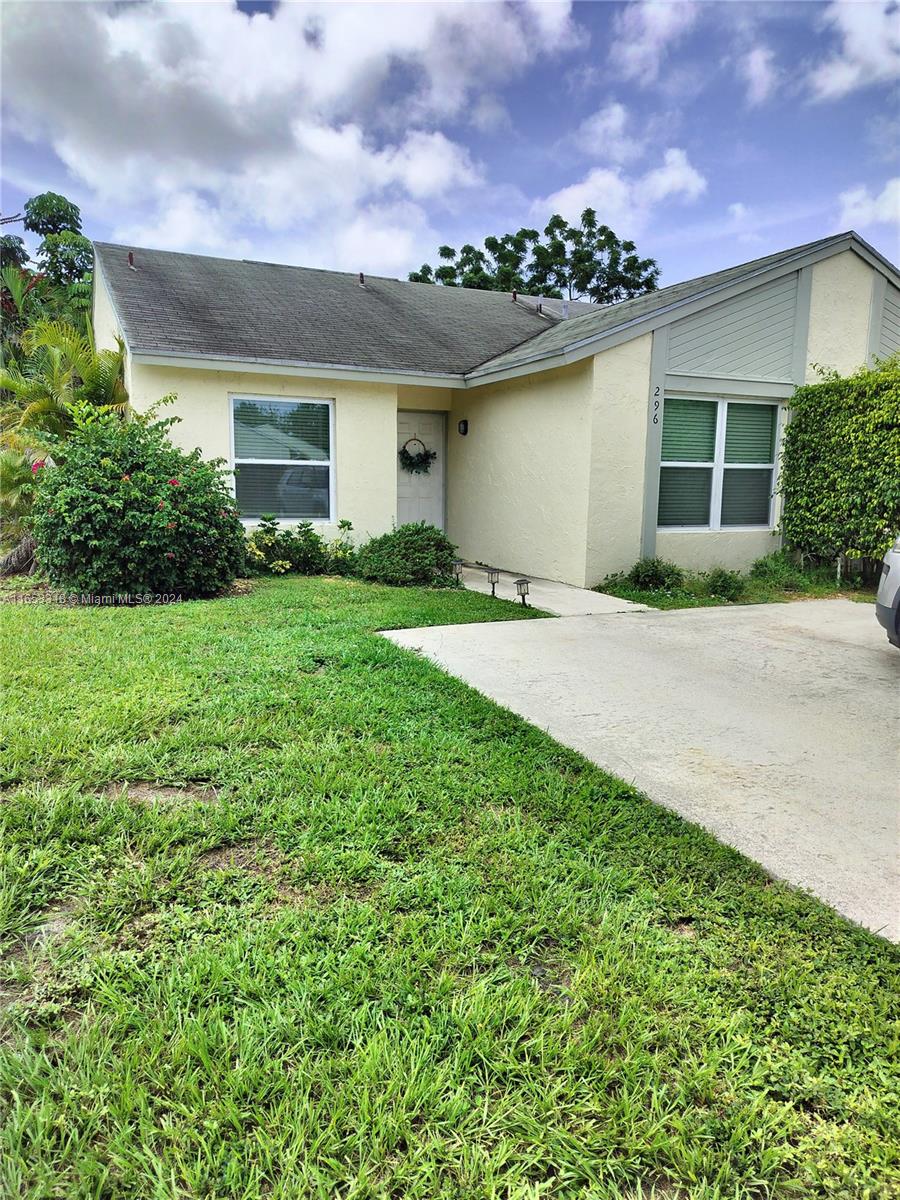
(840, 473)
(655, 575)
(415, 555)
(129, 513)
(276, 551)
(724, 584)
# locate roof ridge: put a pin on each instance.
(707, 285)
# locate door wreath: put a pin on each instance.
(416, 462)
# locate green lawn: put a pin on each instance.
(357, 932)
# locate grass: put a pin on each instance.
(289, 913)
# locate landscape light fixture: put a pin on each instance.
(493, 575)
(522, 590)
(457, 569)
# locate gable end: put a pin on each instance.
(750, 336)
(889, 339)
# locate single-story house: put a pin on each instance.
(571, 439)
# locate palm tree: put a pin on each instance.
(61, 371)
(62, 368)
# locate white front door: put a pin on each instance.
(420, 497)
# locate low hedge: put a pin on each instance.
(414, 555)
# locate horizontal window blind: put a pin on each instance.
(684, 494)
(276, 430)
(285, 491)
(746, 496)
(750, 433)
(689, 430)
(716, 463)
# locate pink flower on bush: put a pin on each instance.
(36, 466)
(175, 482)
(170, 525)
(162, 504)
(169, 554)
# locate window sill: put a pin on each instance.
(290, 521)
(719, 529)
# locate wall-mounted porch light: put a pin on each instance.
(463, 427)
(493, 575)
(522, 590)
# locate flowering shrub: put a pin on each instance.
(128, 512)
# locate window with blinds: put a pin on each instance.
(717, 463)
(282, 457)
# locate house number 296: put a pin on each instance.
(656, 406)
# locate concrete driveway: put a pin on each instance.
(775, 726)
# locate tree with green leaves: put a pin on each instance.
(57, 286)
(578, 262)
(51, 213)
(13, 251)
(65, 257)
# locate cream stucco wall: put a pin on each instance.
(518, 481)
(103, 317)
(699, 550)
(424, 399)
(839, 314)
(621, 382)
(365, 430)
(105, 323)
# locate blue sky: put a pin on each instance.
(360, 137)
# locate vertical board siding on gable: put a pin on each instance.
(749, 337)
(889, 342)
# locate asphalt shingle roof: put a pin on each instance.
(192, 304)
(198, 306)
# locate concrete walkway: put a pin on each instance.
(775, 726)
(561, 599)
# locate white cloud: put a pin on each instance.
(645, 33)
(603, 189)
(186, 219)
(488, 114)
(869, 52)
(676, 177)
(605, 135)
(743, 223)
(626, 204)
(860, 207)
(201, 120)
(429, 164)
(394, 236)
(758, 70)
(883, 132)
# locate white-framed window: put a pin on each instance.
(283, 454)
(717, 465)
